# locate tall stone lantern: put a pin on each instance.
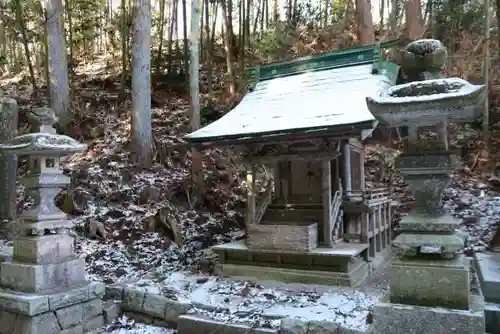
(44, 288)
(430, 289)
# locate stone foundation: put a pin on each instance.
(444, 283)
(488, 271)
(353, 278)
(79, 310)
(410, 319)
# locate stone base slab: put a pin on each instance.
(408, 319)
(428, 283)
(31, 304)
(492, 318)
(76, 319)
(353, 278)
(42, 277)
(488, 270)
(44, 249)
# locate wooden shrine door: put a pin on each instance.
(306, 181)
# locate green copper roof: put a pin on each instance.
(368, 54)
(307, 94)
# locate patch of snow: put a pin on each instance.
(464, 89)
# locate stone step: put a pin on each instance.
(492, 317)
(192, 324)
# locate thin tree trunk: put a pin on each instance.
(184, 30)
(194, 87)
(208, 47)
(124, 33)
(142, 136)
(8, 162)
(160, 36)
(59, 82)
(382, 13)
(229, 52)
(27, 54)
(414, 23)
(364, 22)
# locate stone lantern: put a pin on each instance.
(44, 288)
(430, 284)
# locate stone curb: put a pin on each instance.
(193, 324)
(151, 308)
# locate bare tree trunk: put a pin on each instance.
(142, 136)
(194, 87)
(364, 22)
(160, 36)
(209, 48)
(393, 19)
(382, 13)
(8, 162)
(124, 33)
(414, 22)
(498, 21)
(69, 3)
(27, 54)
(184, 30)
(59, 82)
(228, 49)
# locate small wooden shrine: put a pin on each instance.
(305, 120)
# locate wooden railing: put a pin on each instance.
(262, 206)
(334, 212)
(371, 197)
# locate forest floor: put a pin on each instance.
(143, 228)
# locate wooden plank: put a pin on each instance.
(251, 193)
(347, 167)
(314, 155)
(327, 200)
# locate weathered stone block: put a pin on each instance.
(488, 271)
(44, 249)
(190, 324)
(398, 318)
(174, 309)
(26, 304)
(93, 324)
(430, 283)
(154, 305)
(111, 311)
(294, 326)
(323, 327)
(67, 298)
(42, 277)
(70, 316)
(42, 323)
(133, 300)
(114, 291)
(92, 309)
